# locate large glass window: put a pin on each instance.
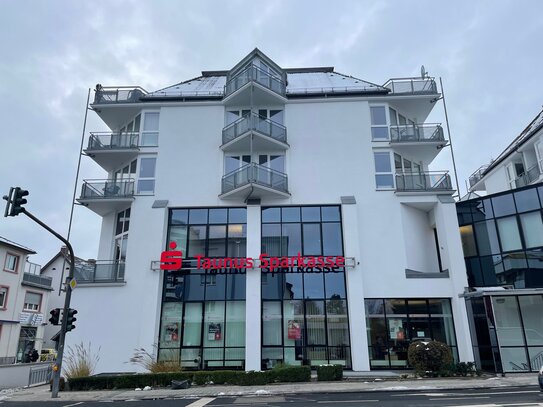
(304, 314)
(146, 180)
(149, 135)
(383, 170)
(379, 128)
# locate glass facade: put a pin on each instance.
(203, 311)
(502, 238)
(392, 324)
(304, 310)
(507, 332)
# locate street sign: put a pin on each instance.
(73, 283)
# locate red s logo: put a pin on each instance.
(171, 259)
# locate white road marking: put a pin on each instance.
(75, 404)
(202, 402)
(347, 401)
(461, 398)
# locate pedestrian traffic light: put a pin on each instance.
(15, 202)
(71, 319)
(55, 316)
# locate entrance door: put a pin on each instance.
(27, 342)
(191, 348)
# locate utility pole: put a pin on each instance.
(15, 201)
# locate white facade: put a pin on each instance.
(329, 159)
(520, 164)
(24, 296)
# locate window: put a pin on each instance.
(146, 181)
(383, 170)
(379, 128)
(532, 228)
(509, 233)
(11, 263)
(149, 135)
(3, 297)
(32, 302)
(235, 162)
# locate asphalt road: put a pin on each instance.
(507, 397)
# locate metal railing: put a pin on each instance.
(119, 94)
(40, 374)
(101, 271)
(254, 73)
(37, 280)
(411, 86)
(255, 174)
(527, 177)
(252, 121)
(105, 189)
(32, 268)
(416, 132)
(477, 175)
(423, 181)
(7, 360)
(112, 141)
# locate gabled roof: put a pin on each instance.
(63, 252)
(256, 53)
(18, 246)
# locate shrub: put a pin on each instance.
(329, 372)
(291, 374)
(465, 369)
(79, 361)
(432, 356)
(146, 360)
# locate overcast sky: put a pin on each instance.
(487, 52)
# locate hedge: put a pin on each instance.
(329, 372)
(282, 374)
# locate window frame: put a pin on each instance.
(39, 305)
(391, 172)
(144, 132)
(385, 107)
(17, 257)
(4, 305)
(140, 178)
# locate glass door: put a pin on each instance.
(191, 348)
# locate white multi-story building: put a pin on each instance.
(520, 164)
(24, 296)
(256, 164)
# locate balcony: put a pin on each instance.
(415, 97)
(116, 106)
(412, 86)
(256, 181)
(110, 149)
(528, 177)
(119, 94)
(255, 86)
(99, 272)
(35, 280)
(420, 141)
(105, 196)
(433, 182)
(270, 136)
(476, 177)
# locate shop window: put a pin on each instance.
(11, 263)
(532, 319)
(32, 302)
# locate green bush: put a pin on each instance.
(329, 372)
(465, 369)
(252, 378)
(431, 357)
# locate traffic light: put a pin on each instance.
(15, 202)
(55, 316)
(71, 319)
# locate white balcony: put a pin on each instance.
(106, 196)
(108, 150)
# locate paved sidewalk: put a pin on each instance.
(359, 385)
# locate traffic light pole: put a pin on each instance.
(58, 364)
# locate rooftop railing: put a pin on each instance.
(37, 280)
(254, 73)
(411, 86)
(32, 268)
(253, 121)
(477, 175)
(423, 181)
(119, 94)
(527, 177)
(255, 174)
(416, 132)
(107, 189)
(112, 141)
(100, 271)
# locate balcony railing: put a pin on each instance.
(423, 181)
(254, 122)
(416, 132)
(37, 280)
(412, 86)
(32, 268)
(121, 94)
(477, 175)
(255, 174)
(527, 177)
(107, 189)
(113, 141)
(254, 73)
(100, 271)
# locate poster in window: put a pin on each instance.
(172, 332)
(293, 330)
(395, 329)
(214, 332)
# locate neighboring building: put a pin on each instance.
(284, 164)
(502, 237)
(520, 164)
(24, 294)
